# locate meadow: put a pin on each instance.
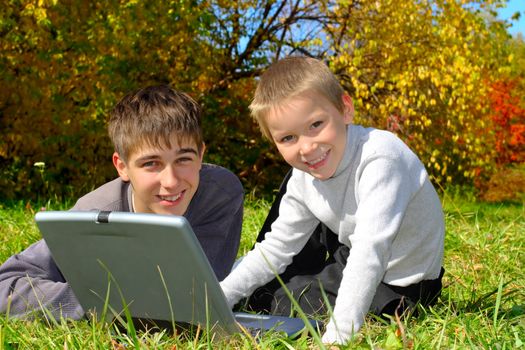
(482, 304)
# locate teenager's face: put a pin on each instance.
(163, 180)
(310, 133)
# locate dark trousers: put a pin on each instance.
(318, 270)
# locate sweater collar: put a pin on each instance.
(352, 140)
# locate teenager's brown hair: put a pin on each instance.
(151, 116)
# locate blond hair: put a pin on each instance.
(151, 116)
(288, 78)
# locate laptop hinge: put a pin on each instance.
(103, 217)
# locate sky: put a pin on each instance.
(514, 6)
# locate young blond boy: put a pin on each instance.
(156, 132)
(364, 184)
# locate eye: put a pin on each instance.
(316, 124)
(286, 139)
(184, 160)
(150, 164)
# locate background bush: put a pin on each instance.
(444, 75)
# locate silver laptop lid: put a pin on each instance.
(152, 262)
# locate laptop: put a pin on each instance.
(149, 265)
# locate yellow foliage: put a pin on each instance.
(431, 70)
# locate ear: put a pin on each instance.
(201, 155)
(348, 113)
(121, 167)
(203, 149)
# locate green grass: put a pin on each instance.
(482, 304)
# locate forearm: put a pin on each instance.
(351, 306)
(31, 282)
(26, 296)
(254, 270)
(289, 233)
(268, 259)
(364, 270)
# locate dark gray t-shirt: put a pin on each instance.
(31, 278)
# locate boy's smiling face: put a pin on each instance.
(164, 180)
(310, 132)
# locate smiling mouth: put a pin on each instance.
(315, 163)
(171, 198)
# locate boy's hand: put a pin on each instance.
(333, 339)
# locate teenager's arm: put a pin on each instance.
(31, 279)
(30, 282)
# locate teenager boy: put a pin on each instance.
(157, 136)
(363, 184)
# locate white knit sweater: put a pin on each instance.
(380, 203)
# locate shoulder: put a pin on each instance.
(110, 196)
(377, 142)
(376, 138)
(390, 156)
(219, 191)
(215, 177)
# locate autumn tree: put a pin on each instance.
(419, 69)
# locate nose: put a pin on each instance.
(307, 147)
(168, 177)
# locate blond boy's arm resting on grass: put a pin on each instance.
(288, 235)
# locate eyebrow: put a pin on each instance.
(187, 150)
(179, 152)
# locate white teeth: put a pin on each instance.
(170, 198)
(315, 161)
